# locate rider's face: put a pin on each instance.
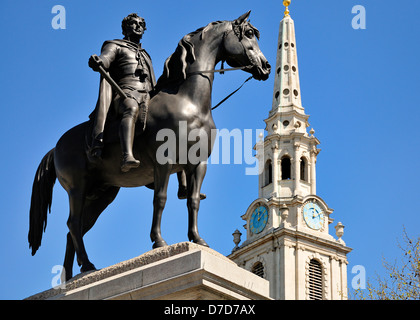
(135, 27)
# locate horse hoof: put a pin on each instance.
(87, 267)
(201, 242)
(65, 277)
(159, 244)
(182, 194)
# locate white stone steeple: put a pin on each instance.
(287, 226)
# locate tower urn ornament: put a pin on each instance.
(339, 232)
(236, 239)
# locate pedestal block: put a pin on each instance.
(181, 271)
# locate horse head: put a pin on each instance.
(241, 48)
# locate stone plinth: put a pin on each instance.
(181, 271)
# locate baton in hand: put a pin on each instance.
(108, 78)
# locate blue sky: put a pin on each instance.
(360, 88)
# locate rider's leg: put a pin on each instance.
(127, 128)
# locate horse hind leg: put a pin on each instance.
(161, 180)
(74, 223)
(92, 210)
(195, 178)
(67, 272)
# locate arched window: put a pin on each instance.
(268, 173)
(316, 291)
(285, 168)
(303, 169)
(258, 269)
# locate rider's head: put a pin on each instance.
(129, 22)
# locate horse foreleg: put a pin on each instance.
(161, 176)
(194, 181)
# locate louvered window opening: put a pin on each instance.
(315, 280)
(258, 269)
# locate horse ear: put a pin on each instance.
(243, 18)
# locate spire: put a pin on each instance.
(290, 150)
(286, 84)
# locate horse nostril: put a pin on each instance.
(267, 65)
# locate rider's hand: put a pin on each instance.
(95, 62)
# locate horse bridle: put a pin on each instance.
(222, 70)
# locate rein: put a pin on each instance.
(232, 93)
(222, 71)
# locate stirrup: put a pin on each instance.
(129, 162)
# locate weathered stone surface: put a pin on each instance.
(181, 271)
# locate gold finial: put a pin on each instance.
(286, 3)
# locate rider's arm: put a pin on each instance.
(108, 54)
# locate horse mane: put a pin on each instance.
(175, 66)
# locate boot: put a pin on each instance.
(127, 139)
(129, 162)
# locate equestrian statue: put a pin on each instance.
(121, 144)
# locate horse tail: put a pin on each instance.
(41, 200)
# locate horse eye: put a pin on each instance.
(250, 33)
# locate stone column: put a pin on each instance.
(260, 158)
(343, 265)
(275, 149)
(313, 171)
(297, 169)
(300, 272)
(279, 270)
(335, 278)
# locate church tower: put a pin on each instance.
(287, 226)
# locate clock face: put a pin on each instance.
(313, 215)
(259, 219)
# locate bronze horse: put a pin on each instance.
(183, 97)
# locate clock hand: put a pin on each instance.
(314, 215)
(319, 214)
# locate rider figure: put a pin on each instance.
(130, 67)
